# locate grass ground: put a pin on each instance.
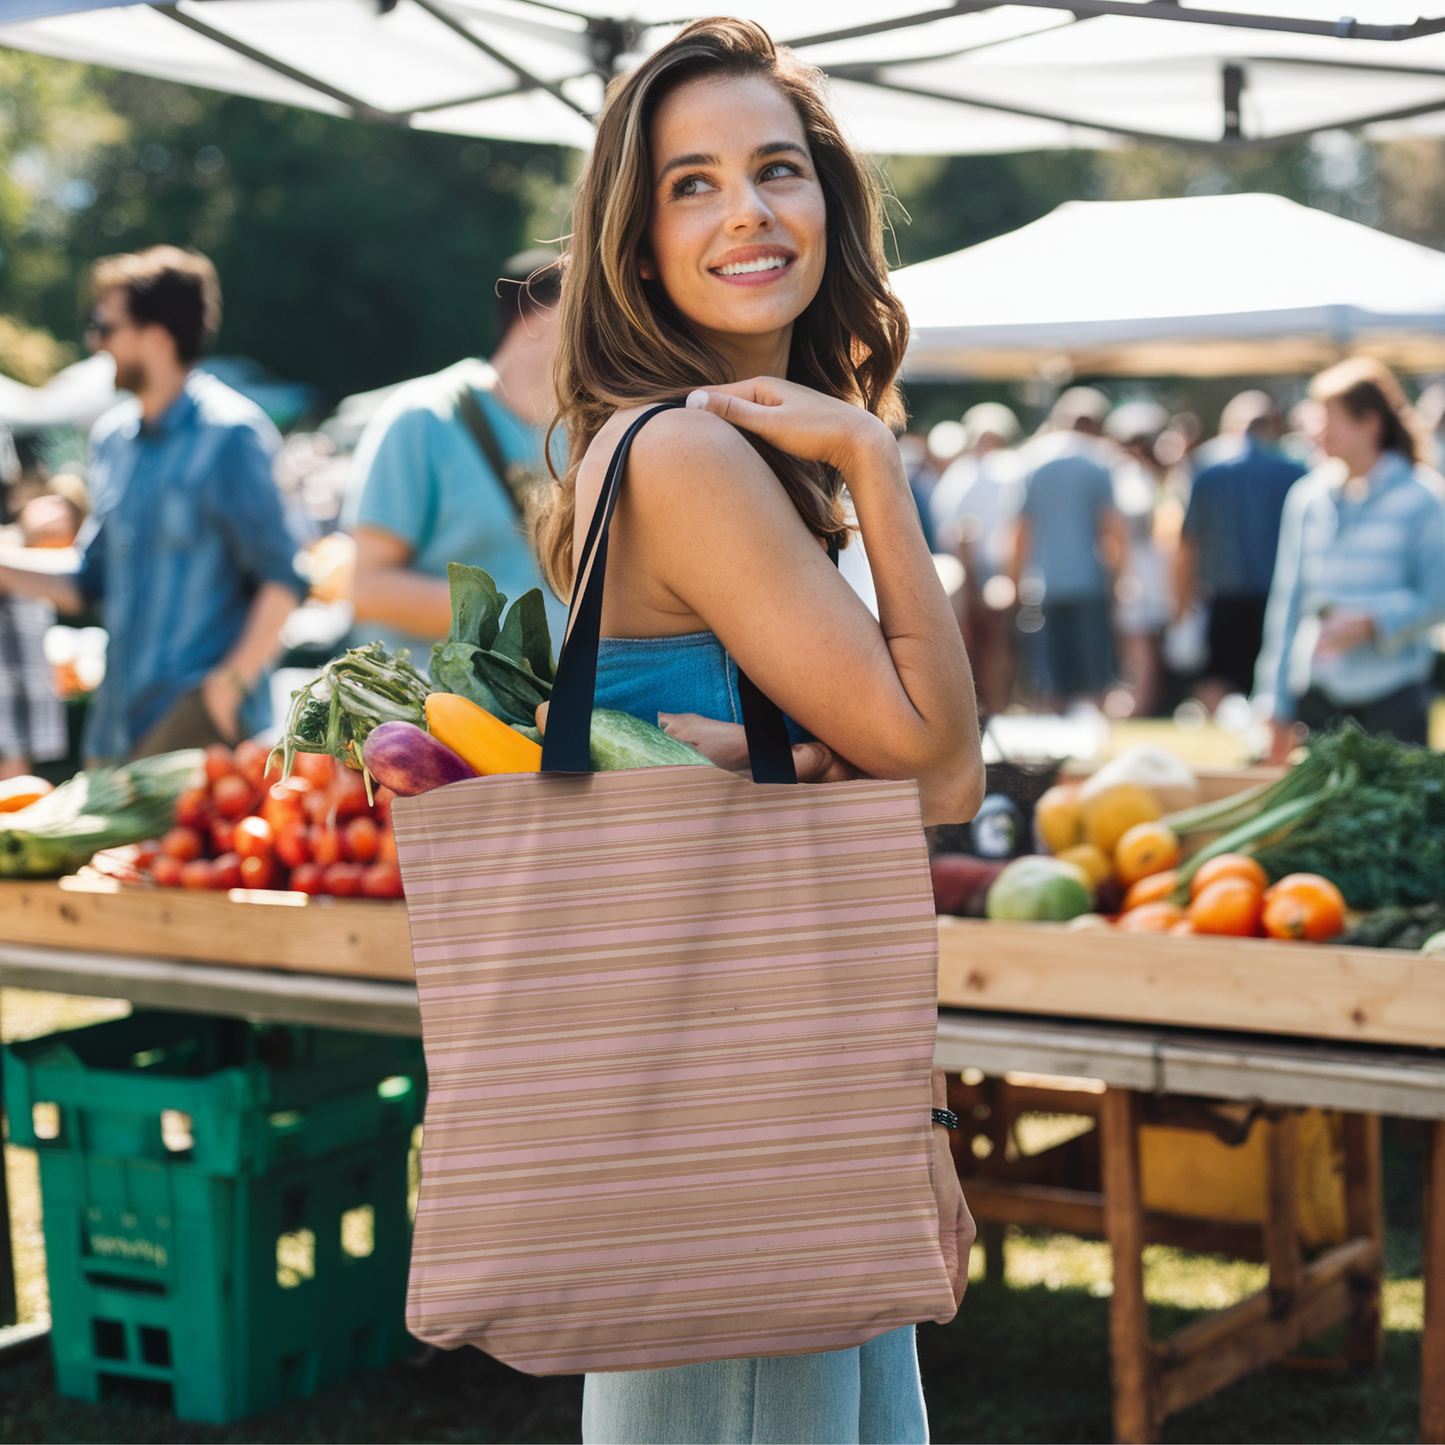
(1026, 1359)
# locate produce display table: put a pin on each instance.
(1152, 1019)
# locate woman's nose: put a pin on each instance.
(750, 211)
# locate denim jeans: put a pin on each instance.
(870, 1395)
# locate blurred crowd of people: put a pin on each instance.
(1116, 558)
(1119, 559)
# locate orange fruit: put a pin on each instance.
(1146, 848)
(1304, 905)
(1155, 888)
(1228, 905)
(1228, 865)
(1157, 917)
(1110, 814)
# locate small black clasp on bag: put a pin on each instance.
(566, 745)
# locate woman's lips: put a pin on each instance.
(758, 277)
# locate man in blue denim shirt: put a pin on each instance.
(186, 548)
(1360, 579)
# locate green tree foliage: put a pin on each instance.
(351, 255)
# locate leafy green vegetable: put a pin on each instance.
(336, 711)
(1366, 812)
(99, 808)
(505, 666)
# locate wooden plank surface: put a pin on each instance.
(1320, 990)
(361, 938)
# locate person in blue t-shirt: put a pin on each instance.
(186, 549)
(442, 473)
(1231, 535)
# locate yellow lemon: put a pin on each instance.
(1057, 817)
(1110, 814)
(1094, 861)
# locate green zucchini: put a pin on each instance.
(620, 740)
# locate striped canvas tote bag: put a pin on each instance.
(679, 1029)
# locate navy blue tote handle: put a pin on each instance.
(566, 743)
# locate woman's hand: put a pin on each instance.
(798, 420)
(726, 745)
(955, 1223)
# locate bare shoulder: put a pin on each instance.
(678, 450)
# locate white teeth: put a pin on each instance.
(745, 268)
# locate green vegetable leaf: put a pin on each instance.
(476, 605)
(453, 670)
(525, 636)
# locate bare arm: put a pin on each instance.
(387, 589)
(43, 573)
(1186, 561)
(1023, 546)
(708, 520)
(226, 686)
(1114, 541)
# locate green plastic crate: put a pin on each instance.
(225, 1206)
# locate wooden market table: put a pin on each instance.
(1142, 1021)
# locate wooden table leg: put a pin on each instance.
(7, 1255)
(1124, 1222)
(1281, 1225)
(1365, 1213)
(1432, 1344)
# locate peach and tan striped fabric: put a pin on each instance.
(678, 1032)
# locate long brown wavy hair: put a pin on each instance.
(622, 342)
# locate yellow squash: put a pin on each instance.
(484, 742)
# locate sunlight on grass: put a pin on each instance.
(1037, 1133)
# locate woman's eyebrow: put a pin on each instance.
(768, 148)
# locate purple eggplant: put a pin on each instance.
(409, 760)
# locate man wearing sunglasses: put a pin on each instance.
(186, 549)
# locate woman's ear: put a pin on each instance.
(646, 269)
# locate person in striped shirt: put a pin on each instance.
(1359, 581)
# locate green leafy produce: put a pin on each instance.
(1035, 889)
(335, 712)
(1396, 927)
(1366, 812)
(503, 664)
(99, 808)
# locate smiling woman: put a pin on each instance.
(727, 253)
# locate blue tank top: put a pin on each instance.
(691, 673)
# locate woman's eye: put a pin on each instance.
(690, 186)
(778, 171)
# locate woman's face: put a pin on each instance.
(1353, 439)
(738, 232)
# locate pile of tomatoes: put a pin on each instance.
(246, 828)
(1231, 895)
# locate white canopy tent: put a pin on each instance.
(1203, 286)
(962, 77)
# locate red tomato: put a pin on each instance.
(251, 762)
(198, 873)
(317, 768)
(183, 844)
(316, 803)
(193, 808)
(222, 831)
(167, 871)
(382, 880)
(348, 795)
(227, 871)
(381, 808)
(361, 836)
(386, 846)
(233, 796)
(307, 878)
(282, 805)
(343, 880)
(292, 849)
(146, 853)
(220, 761)
(325, 845)
(258, 871)
(254, 838)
